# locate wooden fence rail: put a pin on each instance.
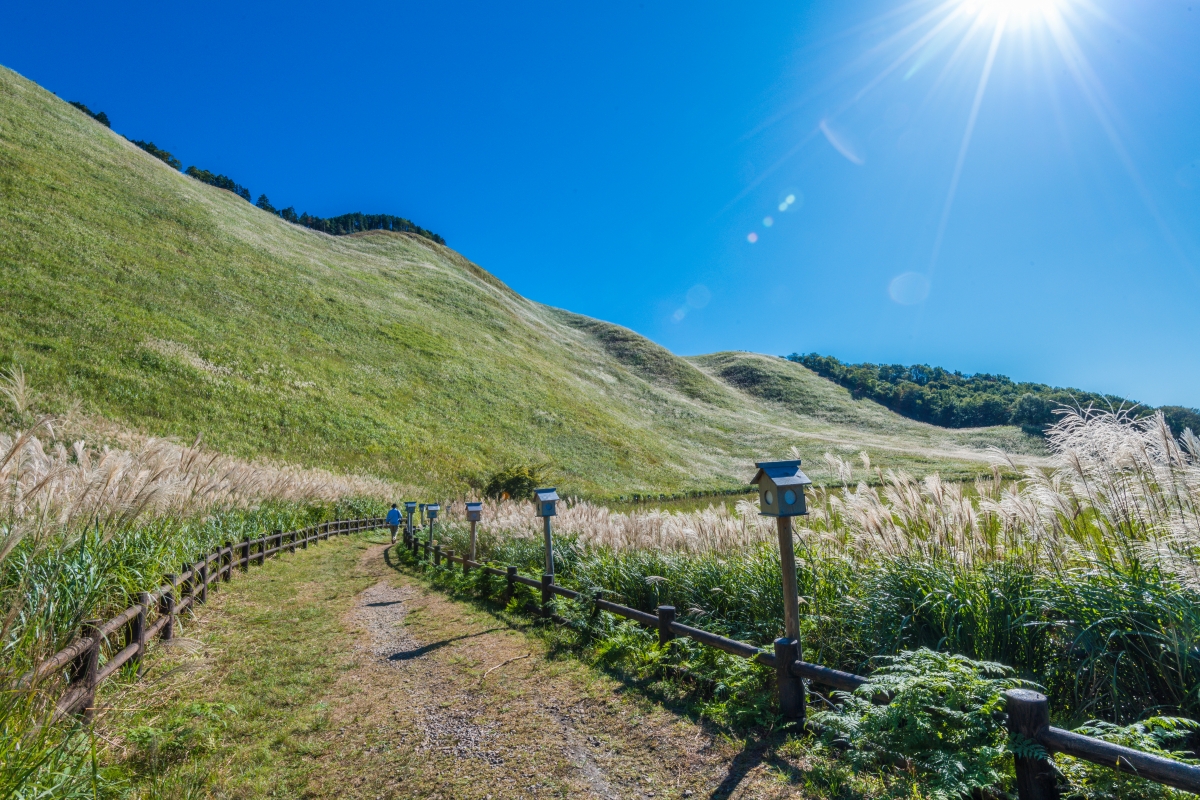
(81, 659)
(1028, 711)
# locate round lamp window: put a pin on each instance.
(770, 498)
(789, 497)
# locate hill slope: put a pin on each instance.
(177, 308)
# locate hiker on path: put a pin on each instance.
(393, 521)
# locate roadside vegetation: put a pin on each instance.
(1081, 578)
(84, 529)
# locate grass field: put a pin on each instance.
(174, 308)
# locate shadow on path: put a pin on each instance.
(409, 655)
(753, 754)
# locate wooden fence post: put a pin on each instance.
(1029, 715)
(166, 607)
(510, 573)
(791, 688)
(791, 595)
(437, 555)
(84, 668)
(428, 547)
(549, 536)
(186, 586)
(547, 593)
(137, 629)
(246, 555)
(666, 615)
(262, 550)
(227, 561)
(204, 581)
(450, 559)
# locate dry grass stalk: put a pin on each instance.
(43, 482)
(1118, 488)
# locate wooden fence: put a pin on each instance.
(1028, 711)
(95, 655)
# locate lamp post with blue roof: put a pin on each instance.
(781, 495)
(474, 513)
(409, 507)
(546, 503)
(431, 511)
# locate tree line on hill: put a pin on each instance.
(954, 400)
(336, 226)
(99, 116)
(348, 223)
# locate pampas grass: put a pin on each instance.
(1082, 574)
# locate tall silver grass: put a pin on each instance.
(1118, 489)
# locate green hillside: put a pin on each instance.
(176, 308)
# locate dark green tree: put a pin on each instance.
(219, 181)
(1033, 412)
(516, 482)
(159, 153)
(100, 116)
(265, 204)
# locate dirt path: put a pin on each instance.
(334, 673)
(445, 702)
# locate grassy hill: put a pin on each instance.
(175, 308)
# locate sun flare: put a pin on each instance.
(1016, 11)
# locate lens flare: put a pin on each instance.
(909, 288)
(768, 222)
(1016, 11)
(752, 237)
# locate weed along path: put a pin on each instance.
(334, 673)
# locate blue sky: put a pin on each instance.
(614, 159)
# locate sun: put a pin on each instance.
(1015, 11)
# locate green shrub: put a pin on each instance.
(944, 725)
(517, 482)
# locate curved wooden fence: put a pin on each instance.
(1028, 711)
(104, 647)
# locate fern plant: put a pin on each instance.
(1157, 735)
(944, 726)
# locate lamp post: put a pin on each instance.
(781, 495)
(431, 511)
(546, 501)
(474, 513)
(409, 507)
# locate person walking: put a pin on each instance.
(393, 521)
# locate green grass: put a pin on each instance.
(245, 717)
(175, 308)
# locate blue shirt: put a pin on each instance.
(393, 517)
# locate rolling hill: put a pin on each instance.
(174, 308)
